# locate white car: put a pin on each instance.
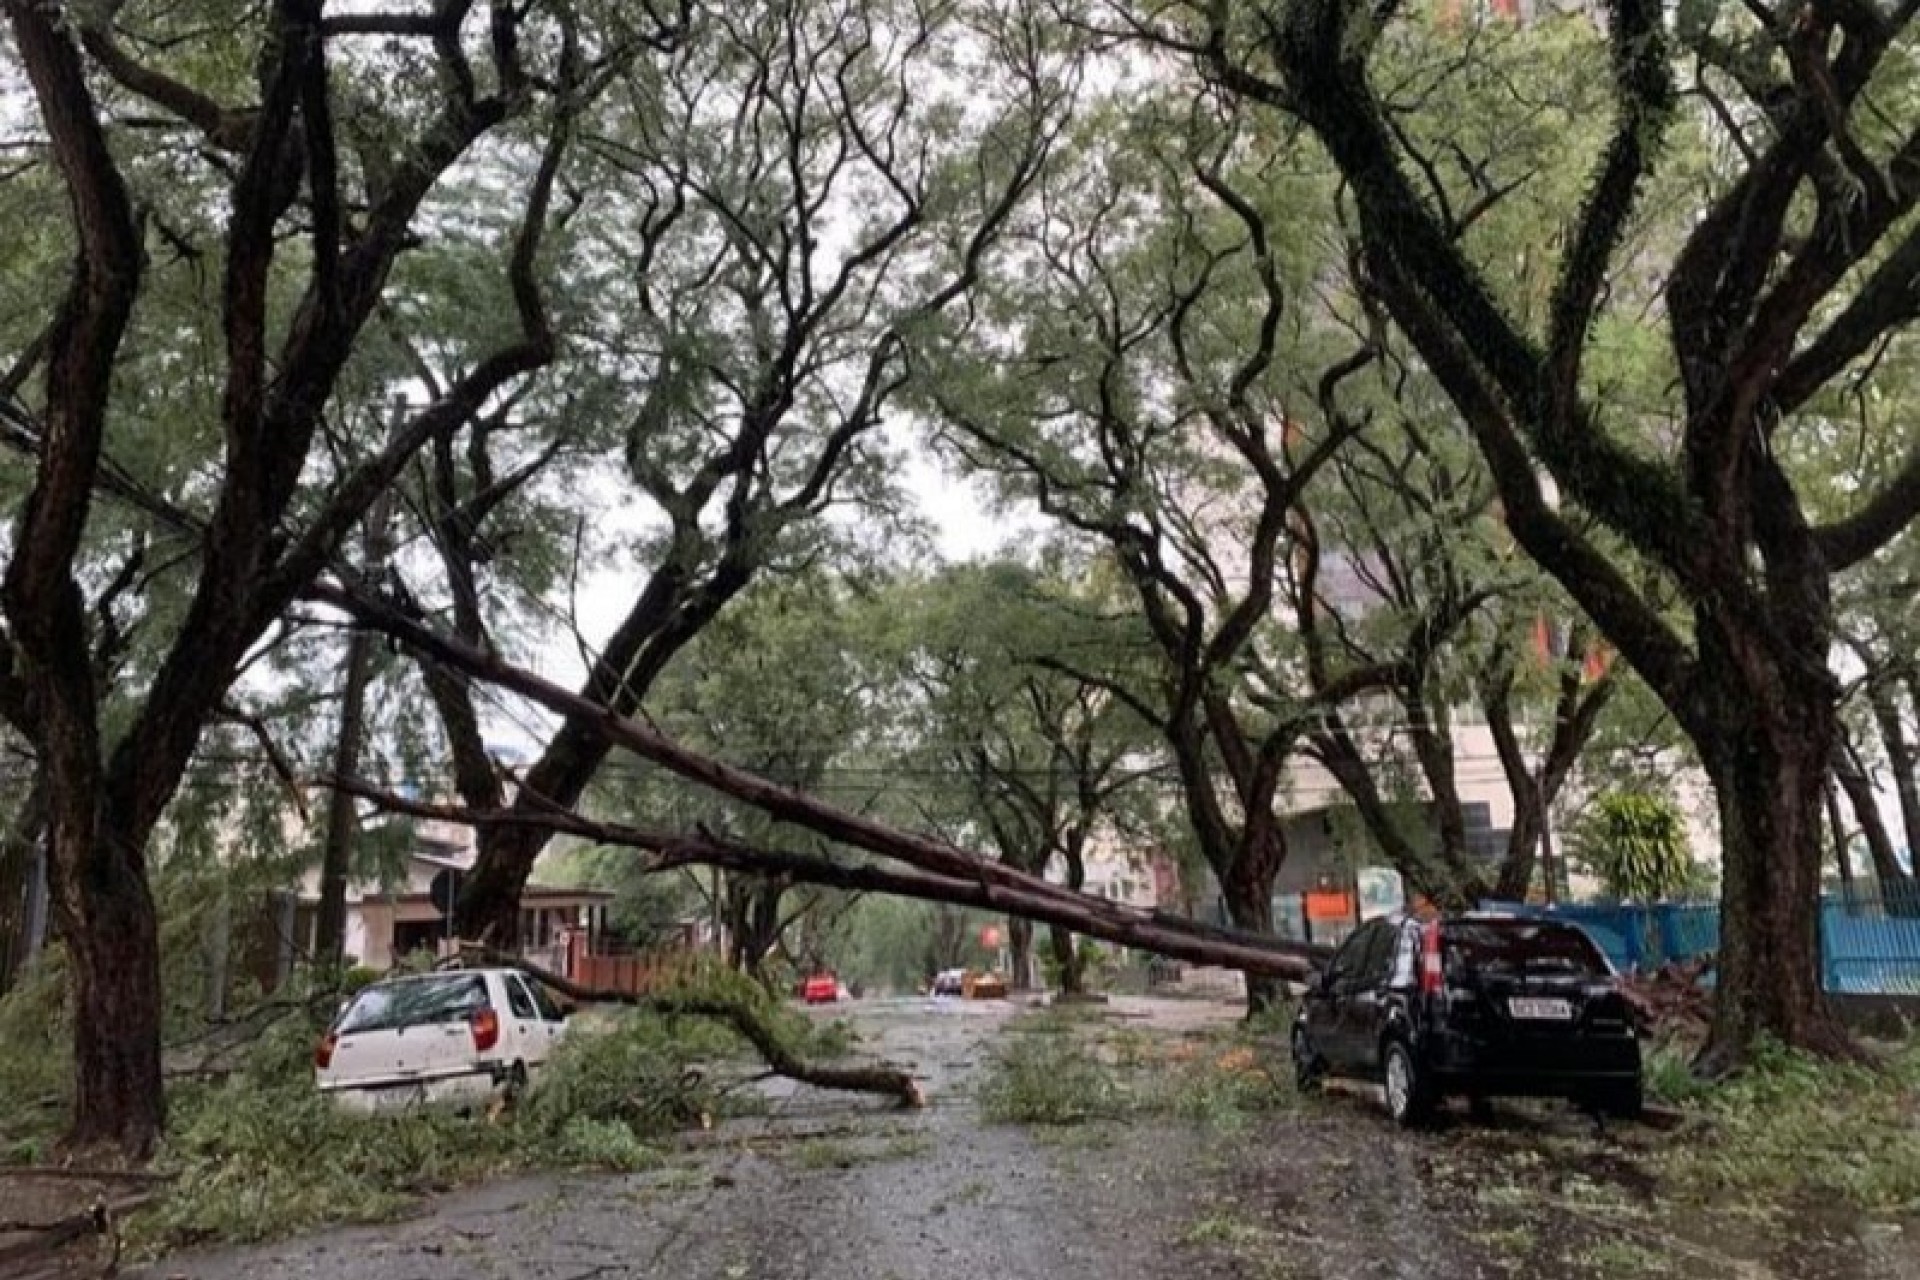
(454, 1037)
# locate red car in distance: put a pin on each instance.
(821, 988)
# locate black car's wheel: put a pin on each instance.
(1480, 1107)
(1410, 1096)
(1623, 1101)
(1309, 1069)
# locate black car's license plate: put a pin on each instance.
(1539, 1009)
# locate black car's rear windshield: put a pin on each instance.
(414, 1002)
(1518, 946)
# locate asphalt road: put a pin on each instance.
(825, 1186)
(843, 1188)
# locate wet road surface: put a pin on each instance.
(825, 1185)
(845, 1188)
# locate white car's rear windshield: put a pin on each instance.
(415, 1002)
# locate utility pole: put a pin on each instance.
(343, 823)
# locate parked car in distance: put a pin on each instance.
(453, 1037)
(821, 988)
(949, 982)
(985, 986)
(1475, 1005)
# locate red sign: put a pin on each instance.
(990, 936)
(1329, 906)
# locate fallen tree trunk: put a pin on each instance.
(42, 1252)
(1025, 896)
(998, 885)
(741, 1016)
(1671, 1001)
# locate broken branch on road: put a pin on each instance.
(748, 1021)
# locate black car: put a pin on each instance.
(1472, 1005)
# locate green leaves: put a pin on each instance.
(1636, 843)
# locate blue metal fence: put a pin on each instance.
(1867, 945)
(1870, 944)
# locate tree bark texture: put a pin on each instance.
(1754, 340)
(1248, 892)
(1837, 827)
(955, 880)
(113, 945)
(104, 909)
(752, 905)
(744, 1018)
(1903, 759)
(1067, 960)
(343, 824)
(259, 546)
(23, 884)
(1898, 895)
(1769, 773)
(1020, 953)
(1576, 714)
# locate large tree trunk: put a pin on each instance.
(1020, 953)
(946, 940)
(942, 872)
(113, 950)
(489, 906)
(1902, 759)
(1524, 842)
(1837, 825)
(753, 921)
(343, 823)
(1066, 947)
(22, 883)
(1897, 896)
(670, 611)
(1441, 874)
(1067, 958)
(1768, 773)
(1249, 897)
(1576, 713)
(16, 884)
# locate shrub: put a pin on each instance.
(643, 1071)
(1791, 1123)
(250, 1159)
(1669, 1076)
(262, 1153)
(35, 1061)
(1050, 1079)
(1222, 1087)
(584, 1141)
(1062, 1069)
